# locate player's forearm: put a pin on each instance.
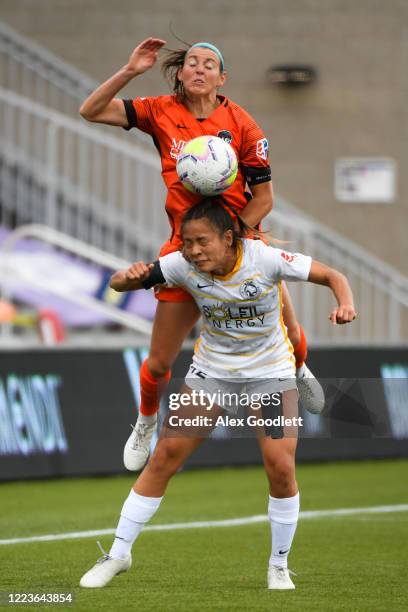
(120, 282)
(99, 99)
(257, 208)
(339, 284)
(335, 280)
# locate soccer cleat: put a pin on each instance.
(104, 570)
(278, 578)
(137, 448)
(311, 393)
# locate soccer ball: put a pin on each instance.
(207, 165)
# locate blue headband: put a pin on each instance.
(217, 52)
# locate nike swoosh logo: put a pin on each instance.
(203, 286)
(283, 552)
(182, 127)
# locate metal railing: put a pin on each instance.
(380, 291)
(21, 274)
(33, 71)
(96, 188)
(64, 174)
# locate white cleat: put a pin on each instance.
(278, 578)
(137, 448)
(311, 393)
(104, 570)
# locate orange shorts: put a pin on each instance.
(166, 294)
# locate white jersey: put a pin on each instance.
(243, 335)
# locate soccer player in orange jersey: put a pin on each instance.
(194, 109)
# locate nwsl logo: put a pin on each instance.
(262, 148)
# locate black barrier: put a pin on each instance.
(63, 412)
(69, 412)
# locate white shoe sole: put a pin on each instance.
(280, 582)
(311, 394)
(102, 573)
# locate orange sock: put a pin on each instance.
(300, 350)
(151, 389)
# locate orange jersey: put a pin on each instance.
(171, 125)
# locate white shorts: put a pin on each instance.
(232, 394)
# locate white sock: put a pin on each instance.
(147, 419)
(283, 515)
(136, 511)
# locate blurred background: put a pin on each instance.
(328, 83)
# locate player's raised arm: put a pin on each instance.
(132, 278)
(338, 283)
(102, 106)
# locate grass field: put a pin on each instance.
(355, 562)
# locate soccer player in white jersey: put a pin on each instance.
(236, 283)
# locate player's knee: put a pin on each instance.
(281, 472)
(158, 364)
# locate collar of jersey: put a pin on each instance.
(222, 99)
(237, 265)
(222, 102)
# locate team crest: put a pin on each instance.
(262, 148)
(249, 289)
(225, 135)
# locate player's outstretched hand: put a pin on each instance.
(145, 55)
(343, 314)
(138, 271)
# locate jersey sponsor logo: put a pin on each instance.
(176, 148)
(219, 312)
(249, 289)
(224, 316)
(289, 257)
(262, 148)
(225, 135)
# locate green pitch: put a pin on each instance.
(352, 563)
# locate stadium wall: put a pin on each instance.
(358, 107)
(68, 412)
